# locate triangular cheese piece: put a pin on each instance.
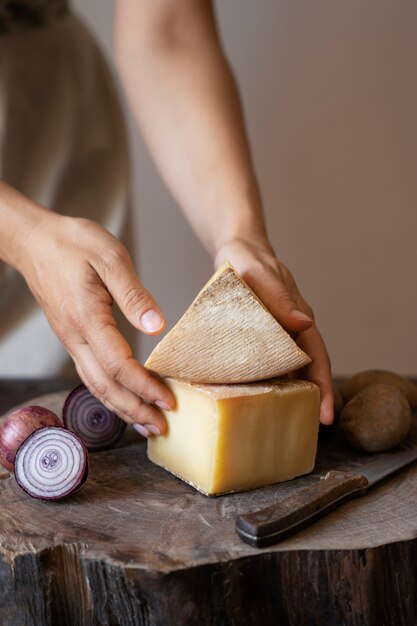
(226, 336)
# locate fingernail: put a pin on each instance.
(151, 321)
(154, 429)
(300, 316)
(141, 430)
(163, 405)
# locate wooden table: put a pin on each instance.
(137, 546)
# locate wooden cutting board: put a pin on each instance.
(138, 546)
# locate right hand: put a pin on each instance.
(76, 270)
(275, 286)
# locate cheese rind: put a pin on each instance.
(226, 336)
(229, 438)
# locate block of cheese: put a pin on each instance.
(234, 437)
(226, 336)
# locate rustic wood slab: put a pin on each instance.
(138, 546)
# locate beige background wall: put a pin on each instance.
(330, 94)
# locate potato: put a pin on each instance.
(350, 387)
(377, 418)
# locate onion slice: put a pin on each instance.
(51, 463)
(94, 423)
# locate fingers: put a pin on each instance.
(116, 271)
(126, 404)
(275, 286)
(108, 367)
(280, 296)
(118, 274)
(319, 370)
(115, 357)
(294, 314)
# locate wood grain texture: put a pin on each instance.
(139, 546)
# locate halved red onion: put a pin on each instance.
(86, 416)
(51, 463)
(18, 426)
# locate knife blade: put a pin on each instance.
(271, 524)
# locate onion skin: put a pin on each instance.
(18, 426)
(95, 424)
(51, 464)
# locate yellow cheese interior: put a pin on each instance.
(235, 437)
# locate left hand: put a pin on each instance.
(274, 284)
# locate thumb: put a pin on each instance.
(278, 299)
(135, 302)
(287, 312)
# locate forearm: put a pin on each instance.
(18, 217)
(185, 100)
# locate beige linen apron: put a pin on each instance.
(62, 143)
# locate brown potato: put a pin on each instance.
(353, 385)
(377, 418)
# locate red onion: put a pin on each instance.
(86, 416)
(51, 463)
(18, 426)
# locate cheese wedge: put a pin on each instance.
(226, 336)
(235, 437)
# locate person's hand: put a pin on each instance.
(275, 286)
(76, 270)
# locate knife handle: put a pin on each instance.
(273, 523)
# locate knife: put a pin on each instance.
(290, 514)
